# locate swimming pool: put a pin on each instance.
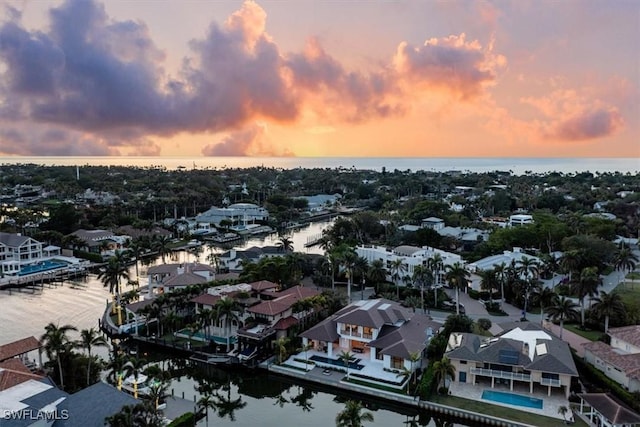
(40, 267)
(336, 362)
(512, 399)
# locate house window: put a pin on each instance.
(379, 355)
(463, 362)
(367, 332)
(550, 376)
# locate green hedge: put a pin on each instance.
(93, 257)
(184, 420)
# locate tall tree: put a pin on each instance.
(226, 313)
(607, 305)
(112, 275)
(626, 260)
(90, 338)
(562, 309)
(56, 341)
(397, 268)
(423, 276)
(444, 369)
(587, 286)
(458, 278)
(345, 357)
(352, 415)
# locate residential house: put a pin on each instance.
(102, 242)
(619, 360)
(411, 256)
(17, 251)
(381, 332)
(167, 277)
(235, 213)
(272, 319)
(233, 258)
(506, 257)
(27, 399)
(433, 223)
(520, 219)
(602, 409)
(522, 358)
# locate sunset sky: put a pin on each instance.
(417, 78)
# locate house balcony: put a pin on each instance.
(258, 332)
(501, 374)
(347, 333)
(551, 382)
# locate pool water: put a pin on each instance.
(512, 399)
(40, 267)
(336, 362)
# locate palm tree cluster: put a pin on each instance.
(72, 370)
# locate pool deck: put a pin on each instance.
(550, 404)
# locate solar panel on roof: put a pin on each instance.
(384, 306)
(509, 357)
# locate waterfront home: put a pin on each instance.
(235, 213)
(411, 256)
(27, 399)
(381, 333)
(22, 350)
(22, 255)
(619, 360)
(17, 251)
(103, 242)
(233, 258)
(602, 409)
(167, 277)
(272, 319)
(524, 358)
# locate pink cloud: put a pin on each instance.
(250, 141)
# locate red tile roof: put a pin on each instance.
(262, 285)
(270, 308)
(19, 347)
(286, 323)
(13, 372)
(630, 334)
(206, 299)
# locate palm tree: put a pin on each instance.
(161, 244)
(626, 260)
(571, 261)
(135, 366)
(528, 269)
(345, 357)
(562, 309)
(360, 269)
(607, 305)
(562, 410)
(458, 278)
(157, 393)
(90, 338)
(587, 286)
(352, 415)
(55, 341)
(205, 403)
(501, 276)
(422, 276)
(376, 273)
(397, 268)
(111, 276)
(488, 280)
(135, 248)
(225, 310)
(348, 260)
(281, 344)
(544, 296)
(444, 369)
(285, 244)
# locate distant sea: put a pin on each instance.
(516, 165)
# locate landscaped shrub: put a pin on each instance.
(484, 324)
(474, 294)
(93, 257)
(184, 420)
(427, 383)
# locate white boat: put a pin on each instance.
(144, 384)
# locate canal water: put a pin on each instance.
(243, 398)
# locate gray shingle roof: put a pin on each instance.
(373, 313)
(90, 406)
(12, 240)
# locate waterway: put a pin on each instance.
(243, 398)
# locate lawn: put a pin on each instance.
(502, 412)
(630, 292)
(589, 334)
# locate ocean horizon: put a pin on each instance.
(515, 165)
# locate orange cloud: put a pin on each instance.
(250, 141)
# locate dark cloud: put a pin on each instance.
(105, 78)
(589, 125)
(52, 142)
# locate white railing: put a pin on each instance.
(551, 382)
(501, 374)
